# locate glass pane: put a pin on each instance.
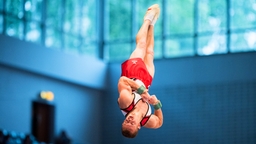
(72, 16)
(158, 49)
(1, 5)
(91, 49)
(179, 47)
(53, 13)
(242, 42)
(179, 16)
(118, 20)
(33, 32)
(242, 14)
(33, 9)
(212, 15)
(14, 7)
(53, 38)
(1, 23)
(215, 44)
(71, 43)
(117, 51)
(89, 17)
(14, 27)
(141, 7)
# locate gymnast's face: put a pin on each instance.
(131, 122)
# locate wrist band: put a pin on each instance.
(141, 89)
(158, 105)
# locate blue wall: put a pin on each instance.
(76, 81)
(83, 70)
(205, 100)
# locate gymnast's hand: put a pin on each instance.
(153, 100)
(145, 96)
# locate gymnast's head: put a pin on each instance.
(131, 125)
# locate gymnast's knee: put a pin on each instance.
(141, 42)
(150, 52)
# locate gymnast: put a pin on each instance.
(137, 75)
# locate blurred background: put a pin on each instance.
(60, 63)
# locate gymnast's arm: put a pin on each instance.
(125, 87)
(156, 120)
(127, 83)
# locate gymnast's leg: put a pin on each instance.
(142, 35)
(149, 56)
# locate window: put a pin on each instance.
(68, 25)
(13, 19)
(53, 24)
(185, 28)
(1, 16)
(243, 25)
(212, 27)
(1, 23)
(179, 28)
